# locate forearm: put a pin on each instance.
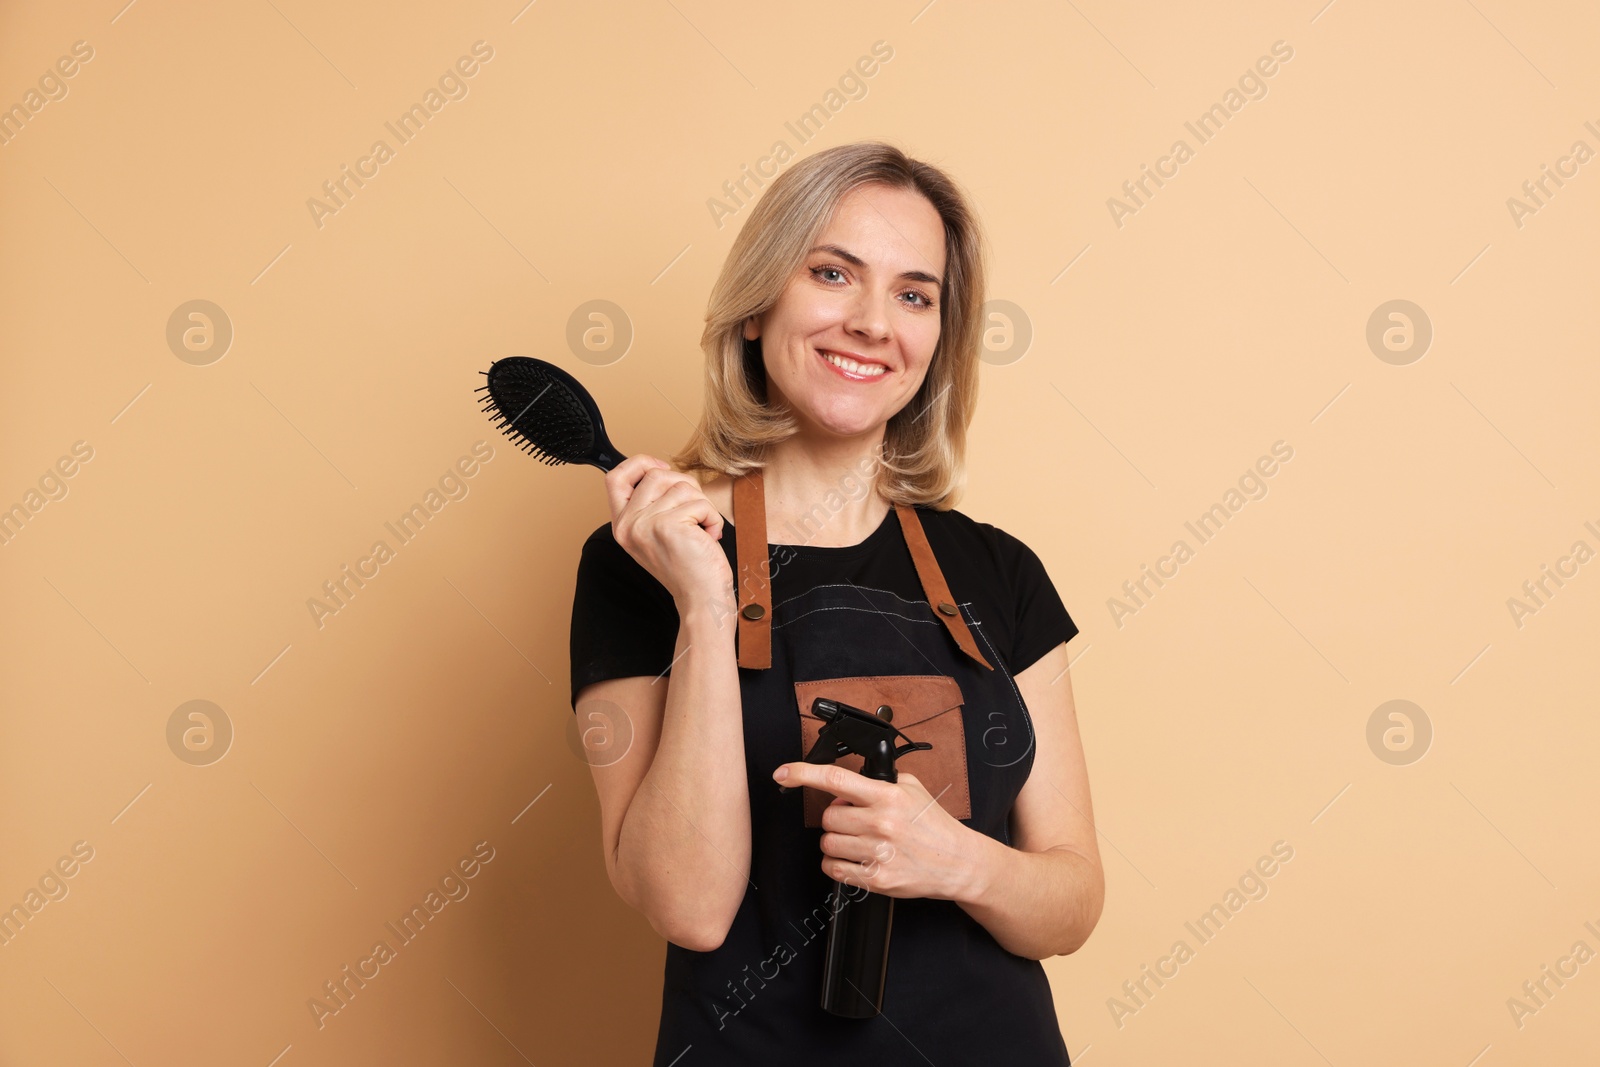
(1035, 904)
(683, 851)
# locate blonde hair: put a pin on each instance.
(923, 458)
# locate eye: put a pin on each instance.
(923, 298)
(817, 272)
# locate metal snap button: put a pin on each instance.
(886, 713)
(753, 611)
(947, 608)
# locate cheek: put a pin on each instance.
(925, 339)
(808, 323)
(805, 314)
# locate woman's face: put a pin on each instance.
(867, 292)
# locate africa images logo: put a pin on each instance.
(339, 991)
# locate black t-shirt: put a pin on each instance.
(625, 623)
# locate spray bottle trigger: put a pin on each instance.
(912, 746)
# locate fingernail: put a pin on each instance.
(780, 774)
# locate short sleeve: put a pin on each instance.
(624, 622)
(1039, 619)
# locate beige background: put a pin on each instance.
(1167, 354)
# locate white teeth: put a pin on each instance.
(869, 370)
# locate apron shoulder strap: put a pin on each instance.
(933, 583)
(754, 587)
(754, 580)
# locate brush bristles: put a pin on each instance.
(550, 424)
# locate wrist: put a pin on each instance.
(707, 615)
(988, 866)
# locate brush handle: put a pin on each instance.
(606, 454)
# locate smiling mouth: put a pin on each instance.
(849, 368)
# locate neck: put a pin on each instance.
(822, 492)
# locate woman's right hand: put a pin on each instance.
(663, 519)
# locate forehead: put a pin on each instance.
(894, 230)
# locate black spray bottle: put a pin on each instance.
(857, 960)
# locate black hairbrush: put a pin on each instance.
(547, 412)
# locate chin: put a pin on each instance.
(853, 425)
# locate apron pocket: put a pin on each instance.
(927, 707)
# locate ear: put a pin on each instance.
(752, 328)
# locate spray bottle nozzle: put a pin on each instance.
(852, 730)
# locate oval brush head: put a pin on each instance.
(547, 413)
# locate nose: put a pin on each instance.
(868, 316)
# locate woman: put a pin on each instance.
(842, 346)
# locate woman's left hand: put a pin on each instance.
(893, 838)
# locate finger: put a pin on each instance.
(846, 872)
(622, 479)
(681, 505)
(847, 847)
(852, 786)
(714, 520)
(843, 817)
(656, 491)
(662, 491)
(911, 780)
(699, 511)
(666, 488)
(657, 482)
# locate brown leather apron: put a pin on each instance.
(924, 707)
(951, 989)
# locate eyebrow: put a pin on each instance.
(856, 261)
